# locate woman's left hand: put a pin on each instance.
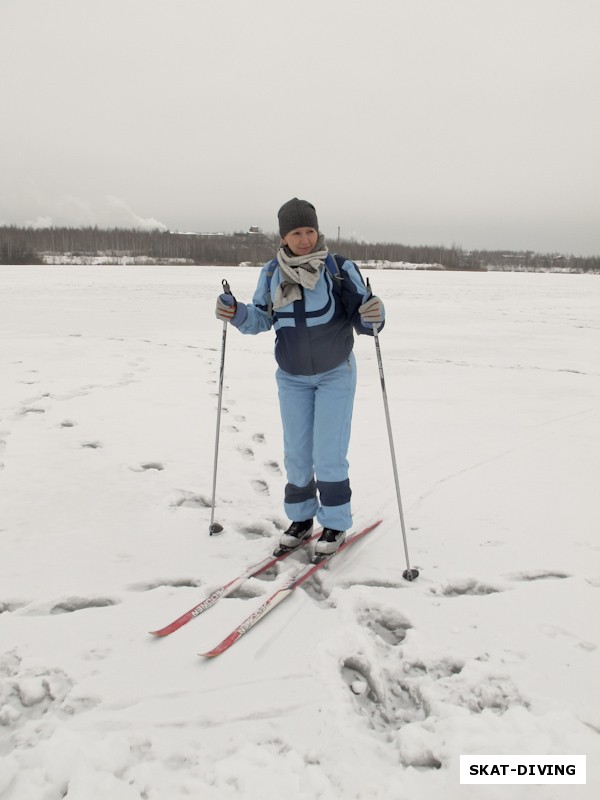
(372, 312)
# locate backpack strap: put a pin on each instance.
(270, 270)
(271, 267)
(334, 265)
(339, 262)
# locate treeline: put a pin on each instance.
(155, 245)
(20, 245)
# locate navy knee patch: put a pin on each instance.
(334, 493)
(300, 494)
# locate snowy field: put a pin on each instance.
(360, 685)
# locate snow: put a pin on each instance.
(361, 685)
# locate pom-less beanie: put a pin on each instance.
(297, 214)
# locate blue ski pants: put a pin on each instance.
(316, 412)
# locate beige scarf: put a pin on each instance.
(299, 271)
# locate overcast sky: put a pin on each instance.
(474, 122)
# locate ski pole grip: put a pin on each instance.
(375, 326)
(225, 286)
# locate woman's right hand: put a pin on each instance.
(226, 307)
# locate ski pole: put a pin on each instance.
(215, 527)
(408, 574)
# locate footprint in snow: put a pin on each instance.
(191, 500)
(26, 410)
(175, 583)
(71, 604)
(464, 586)
(33, 692)
(255, 531)
(538, 575)
(268, 575)
(246, 452)
(434, 668)
(393, 697)
(389, 625)
(316, 589)
(357, 676)
(8, 606)
(374, 583)
(382, 698)
(149, 465)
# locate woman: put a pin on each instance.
(314, 301)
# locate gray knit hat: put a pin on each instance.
(297, 214)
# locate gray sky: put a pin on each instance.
(473, 122)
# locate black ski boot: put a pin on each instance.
(297, 533)
(329, 542)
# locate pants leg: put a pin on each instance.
(296, 404)
(334, 401)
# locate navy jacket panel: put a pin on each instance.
(316, 333)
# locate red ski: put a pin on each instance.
(284, 591)
(229, 588)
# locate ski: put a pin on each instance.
(284, 591)
(229, 588)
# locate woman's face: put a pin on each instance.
(301, 241)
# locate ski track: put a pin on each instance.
(502, 454)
